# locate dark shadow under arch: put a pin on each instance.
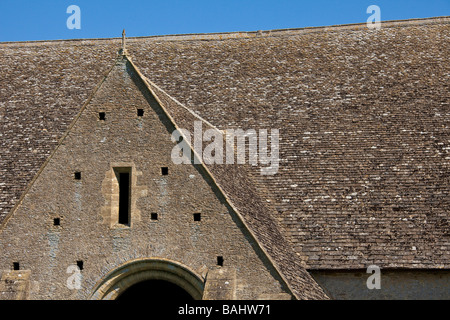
(155, 291)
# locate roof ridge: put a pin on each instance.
(249, 34)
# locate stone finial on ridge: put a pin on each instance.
(123, 50)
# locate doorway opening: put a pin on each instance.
(155, 290)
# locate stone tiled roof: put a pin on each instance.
(363, 117)
(42, 88)
(241, 192)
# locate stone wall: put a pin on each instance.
(394, 284)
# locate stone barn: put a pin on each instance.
(93, 205)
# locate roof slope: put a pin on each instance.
(363, 116)
(364, 122)
(42, 88)
(242, 195)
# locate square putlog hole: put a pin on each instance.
(77, 175)
(154, 216)
(140, 112)
(164, 171)
(102, 116)
(197, 217)
(16, 266)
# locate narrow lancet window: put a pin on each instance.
(124, 198)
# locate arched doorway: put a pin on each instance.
(150, 276)
(155, 291)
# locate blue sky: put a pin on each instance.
(23, 20)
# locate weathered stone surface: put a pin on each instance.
(15, 285)
(94, 148)
(220, 284)
(364, 124)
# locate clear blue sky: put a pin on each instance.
(22, 20)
